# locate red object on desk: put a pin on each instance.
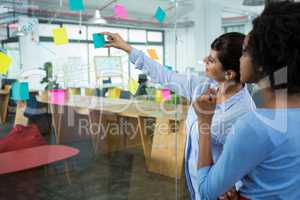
(15, 161)
(21, 137)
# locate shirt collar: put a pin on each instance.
(232, 100)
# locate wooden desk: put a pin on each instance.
(4, 98)
(20, 119)
(164, 154)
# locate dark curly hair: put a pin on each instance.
(229, 47)
(274, 45)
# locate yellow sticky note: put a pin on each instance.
(152, 54)
(133, 86)
(60, 36)
(114, 93)
(159, 96)
(5, 62)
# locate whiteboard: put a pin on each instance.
(105, 65)
(75, 73)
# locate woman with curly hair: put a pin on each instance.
(263, 149)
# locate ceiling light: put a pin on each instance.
(98, 19)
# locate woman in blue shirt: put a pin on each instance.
(221, 66)
(264, 147)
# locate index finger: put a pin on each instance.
(107, 33)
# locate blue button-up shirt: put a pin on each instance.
(264, 151)
(191, 87)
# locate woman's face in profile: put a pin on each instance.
(213, 67)
(246, 66)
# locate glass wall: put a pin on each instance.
(75, 132)
(81, 137)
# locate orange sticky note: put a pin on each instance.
(5, 62)
(152, 54)
(60, 36)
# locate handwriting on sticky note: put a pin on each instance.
(120, 11)
(99, 40)
(20, 91)
(160, 15)
(5, 62)
(76, 5)
(152, 54)
(60, 36)
(133, 86)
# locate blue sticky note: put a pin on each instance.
(160, 15)
(99, 40)
(76, 5)
(168, 68)
(20, 91)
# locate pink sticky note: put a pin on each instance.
(57, 96)
(120, 11)
(166, 94)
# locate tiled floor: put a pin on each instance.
(113, 176)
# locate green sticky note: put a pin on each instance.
(99, 40)
(20, 91)
(160, 15)
(175, 99)
(76, 5)
(5, 62)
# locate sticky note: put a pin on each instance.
(99, 40)
(60, 36)
(133, 86)
(114, 93)
(57, 96)
(158, 96)
(120, 11)
(76, 5)
(152, 54)
(166, 93)
(20, 91)
(168, 68)
(160, 15)
(175, 99)
(5, 62)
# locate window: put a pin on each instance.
(234, 28)
(154, 36)
(81, 46)
(137, 35)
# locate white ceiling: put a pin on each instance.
(236, 7)
(142, 8)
